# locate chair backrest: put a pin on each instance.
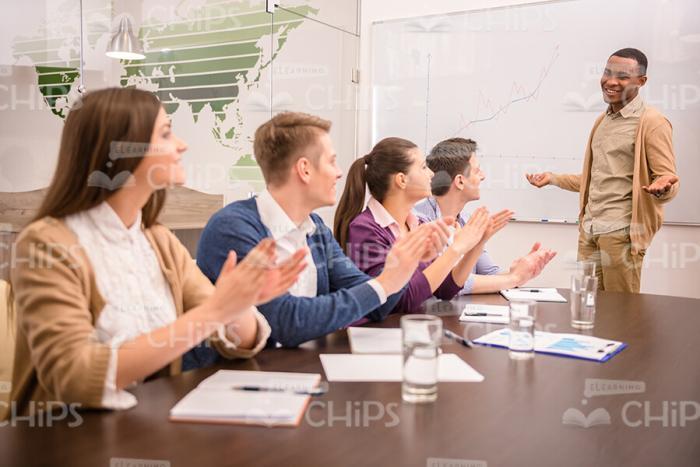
(8, 322)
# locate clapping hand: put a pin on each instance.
(439, 237)
(532, 264)
(473, 231)
(496, 223)
(254, 280)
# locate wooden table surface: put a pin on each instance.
(513, 418)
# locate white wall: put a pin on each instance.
(672, 264)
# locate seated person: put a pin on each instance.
(397, 177)
(297, 159)
(105, 295)
(456, 182)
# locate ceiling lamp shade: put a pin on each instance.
(124, 45)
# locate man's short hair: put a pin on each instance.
(279, 142)
(448, 159)
(636, 55)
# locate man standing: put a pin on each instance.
(628, 174)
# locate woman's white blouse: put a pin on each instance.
(137, 296)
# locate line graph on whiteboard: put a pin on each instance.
(530, 94)
(487, 109)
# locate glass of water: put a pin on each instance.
(521, 342)
(585, 268)
(583, 298)
(421, 335)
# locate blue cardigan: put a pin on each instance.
(343, 295)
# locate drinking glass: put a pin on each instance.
(521, 342)
(421, 335)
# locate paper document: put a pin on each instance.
(375, 368)
(221, 399)
(375, 340)
(566, 345)
(539, 294)
(496, 314)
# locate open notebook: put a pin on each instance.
(220, 399)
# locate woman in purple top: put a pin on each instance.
(397, 177)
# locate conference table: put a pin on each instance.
(641, 408)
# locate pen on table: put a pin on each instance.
(530, 290)
(322, 389)
(462, 340)
(480, 313)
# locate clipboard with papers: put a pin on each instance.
(564, 345)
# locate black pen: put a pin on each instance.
(302, 392)
(531, 290)
(462, 340)
(480, 313)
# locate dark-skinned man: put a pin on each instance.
(629, 172)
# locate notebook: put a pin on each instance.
(539, 294)
(376, 368)
(495, 314)
(216, 399)
(565, 345)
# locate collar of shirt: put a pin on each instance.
(633, 108)
(385, 220)
(289, 238)
(436, 210)
(110, 225)
(277, 221)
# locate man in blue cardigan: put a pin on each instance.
(298, 162)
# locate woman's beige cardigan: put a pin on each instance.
(57, 357)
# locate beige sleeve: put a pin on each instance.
(661, 158)
(570, 182)
(226, 345)
(54, 317)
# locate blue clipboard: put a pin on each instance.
(607, 357)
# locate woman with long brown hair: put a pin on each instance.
(397, 176)
(105, 295)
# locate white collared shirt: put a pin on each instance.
(289, 238)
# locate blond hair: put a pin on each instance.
(279, 141)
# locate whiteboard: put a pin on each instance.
(524, 82)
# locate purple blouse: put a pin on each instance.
(368, 245)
